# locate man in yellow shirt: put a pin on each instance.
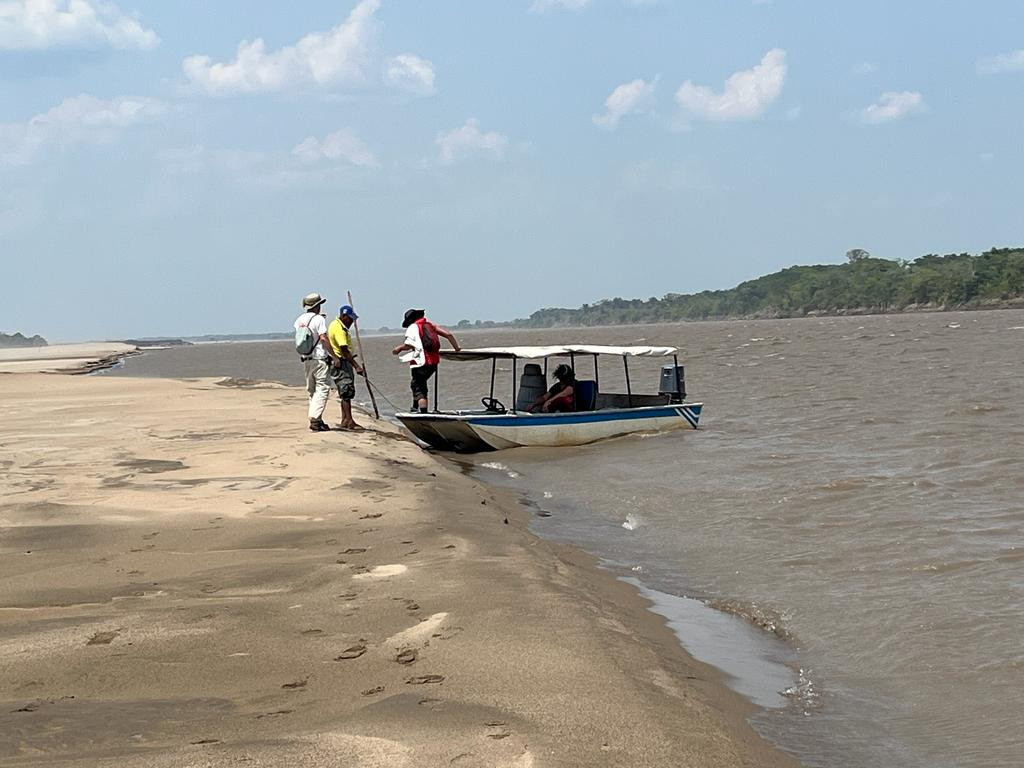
(343, 374)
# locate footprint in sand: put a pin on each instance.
(352, 652)
(371, 516)
(424, 679)
(407, 657)
(312, 632)
(381, 572)
(373, 691)
(296, 684)
(353, 551)
(275, 713)
(102, 638)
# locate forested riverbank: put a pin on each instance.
(863, 285)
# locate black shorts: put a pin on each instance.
(420, 376)
(344, 380)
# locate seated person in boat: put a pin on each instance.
(562, 395)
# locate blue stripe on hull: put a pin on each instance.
(689, 412)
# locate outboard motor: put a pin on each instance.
(673, 383)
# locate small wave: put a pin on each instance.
(1016, 328)
(548, 495)
(495, 465)
(632, 522)
(805, 693)
(764, 618)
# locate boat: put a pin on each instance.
(597, 415)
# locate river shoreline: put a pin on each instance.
(198, 578)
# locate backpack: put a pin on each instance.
(305, 339)
(428, 334)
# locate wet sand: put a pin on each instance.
(190, 577)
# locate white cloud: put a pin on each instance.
(467, 140)
(543, 6)
(629, 98)
(1004, 62)
(340, 145)
(892, 105)
(746, 94)
(41, 24)
(77, 120)
(409, 72)
(339, 56)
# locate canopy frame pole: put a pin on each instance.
(437, 385)
(675, 369)
(514, 366)
(545, 371)
(629, 390)
(572, 362)
(597, 380)
(494, 368)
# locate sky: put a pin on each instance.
(188, 167)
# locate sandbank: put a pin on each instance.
(191, 577)
(63, 358)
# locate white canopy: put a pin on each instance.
(532, 353)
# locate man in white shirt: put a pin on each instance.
(317, 362)
(421, 349)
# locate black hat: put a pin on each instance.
(411, 316)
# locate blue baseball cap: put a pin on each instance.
(347, 311)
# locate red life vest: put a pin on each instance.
(431, 342)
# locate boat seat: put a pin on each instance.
(586, 395)
(531, 386)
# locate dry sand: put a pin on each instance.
(192, 578)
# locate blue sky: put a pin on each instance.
(163, 172)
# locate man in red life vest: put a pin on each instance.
(421, 350)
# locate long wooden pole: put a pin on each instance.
(362, 361)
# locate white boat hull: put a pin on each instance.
(469, 432)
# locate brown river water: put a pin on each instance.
(852, 506)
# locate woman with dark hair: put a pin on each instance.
(561, 397)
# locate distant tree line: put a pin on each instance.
(864, 285)
(19, 340)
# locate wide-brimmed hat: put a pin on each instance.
(313, 300)
(412, 315)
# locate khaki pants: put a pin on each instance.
(317, 387)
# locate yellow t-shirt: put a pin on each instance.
(337, 334)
